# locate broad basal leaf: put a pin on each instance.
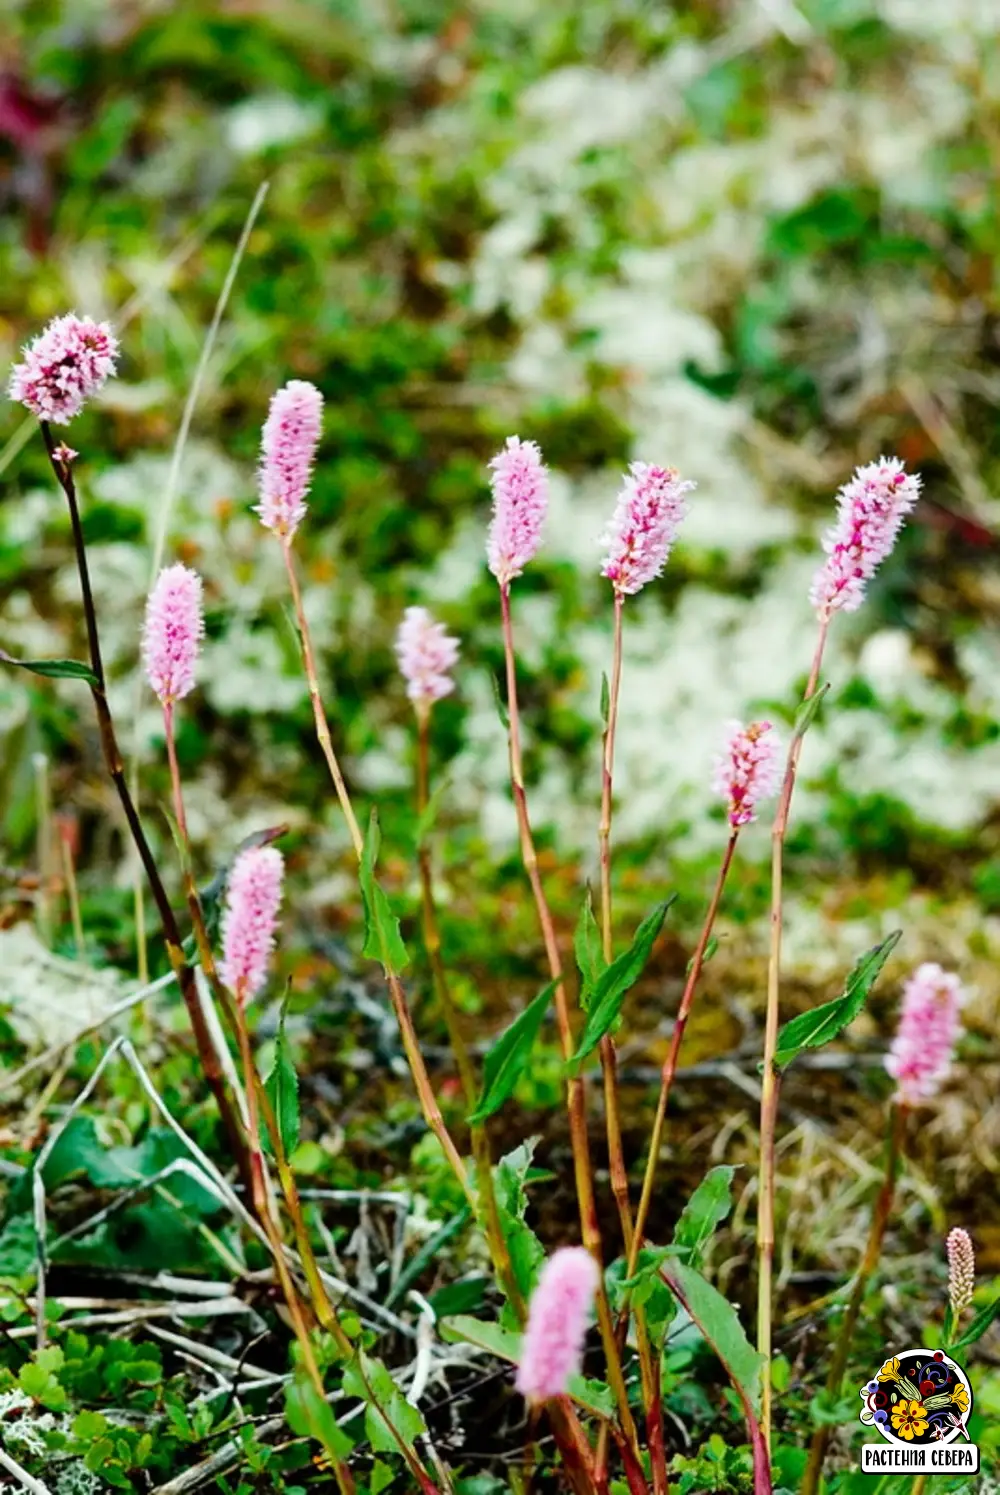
(810, 1030)
(719, 1323)
(614, 982)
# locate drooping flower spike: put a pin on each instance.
(287, 453)
(520, 485)
(748, 770)
(650, 508)
(67, 363)
(871, 511)
(253, 897)
(172, 633)
(961, 1269)
(426, 655)
(920, 1055)
(558, 1315)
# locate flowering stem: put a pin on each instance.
(676, 1039)
(411, 1046)
(175, 776)
(115, 768)
(492, 1226)
(576, 1096)
(770, 1079)
(876, 1235)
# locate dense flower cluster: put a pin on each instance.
(520, 485)
(871, 510)
(557, 1323)
(961, 1269)
(173, 630)
(426, 655)
(920, 1055)
(287, 453)
(748, 770)
(650, 508)
(67, 363)
(253, 897)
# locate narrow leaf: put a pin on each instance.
(508, 1057)
(605, 699)
(52, 669)
(719, 1323)
(705, 1210)
(501, 704)
(613, 984)
(812, 1029)
(979, 1325)
(383, 941)
(589, 952)
(506, 1345)
(807, 712)
(282, 1086)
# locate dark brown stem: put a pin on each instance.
(873, 1250)
(113, 763)
(576, 1095)
(770, 1081)
(481, 1152)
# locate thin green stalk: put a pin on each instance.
(492, 1224)
(770, 1080)
(576, 1095)
(876, 1236)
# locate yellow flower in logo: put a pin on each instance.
(909, 1419)
(960, 1397)
(890, 1370)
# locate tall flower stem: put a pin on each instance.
(895, 1132)
(411, 1046)
(116, 771)
(576, 1096)
(609, 1065)
(770, 1079)
(492, 1225)
(676, 1039)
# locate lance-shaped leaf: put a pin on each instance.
(810, 1030)
(507, 1059)
(614, 982)
(979, 1325)
(383, 941)
(282, 1087)
(707, 1208)
(52, 669)
(589, 952)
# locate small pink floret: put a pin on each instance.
(172, 633)
(558, 1316)
(650, 508)
(426, 655)
(871, 511)
(520, 485)
(748, 770)
(253, 897)
(287, 453)
(67, 363)
(921, 1053)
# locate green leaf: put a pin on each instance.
(808, 710)
(53, 669)
(605, 699)
(383, 941)
(282, 1087)
(507, 1058)
(589, 951)
(500, 703)
(613, 983)
(506, 1345)
(707, 1208)
(369, 1379)
(812, 1029)
(309, 1416)
(526, 1251)
(979, 1325)
(718, 1321)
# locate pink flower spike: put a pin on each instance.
(520, 485)
(173, 630)
(872, 507)
(748, 771)
(552, 1350)
(920, 1055)
(287, 452)
(650, 508)
(426, 653)
(67, 363)
(961, 1269)
(253, 896)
